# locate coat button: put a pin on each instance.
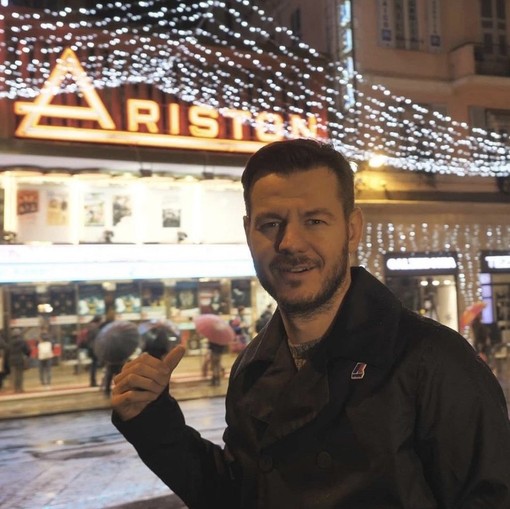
(324, 459)
(265, 463)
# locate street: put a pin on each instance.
(80, 461)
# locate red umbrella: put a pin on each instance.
(215, 329)
(470, 313)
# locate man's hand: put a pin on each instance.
(141, 381)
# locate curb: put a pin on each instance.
(84, 398)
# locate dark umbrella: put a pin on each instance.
(159, 336)
(116, 341)
(157, 325)
(215, 329)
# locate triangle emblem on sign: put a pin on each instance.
(67, 65)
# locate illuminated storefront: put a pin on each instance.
(495, 284)
(425, 283)
(127, 149)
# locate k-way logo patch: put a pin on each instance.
(359, 371)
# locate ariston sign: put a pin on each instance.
(195, 127)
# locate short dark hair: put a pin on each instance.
(301, 154)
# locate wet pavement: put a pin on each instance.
(80, 461)
(69, 455)
(59, 450)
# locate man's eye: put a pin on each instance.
(269, 225)
(315, 221)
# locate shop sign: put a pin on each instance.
(194, 127)
(495, 261)
(420, 263)
(23, 263)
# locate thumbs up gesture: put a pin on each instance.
(141, 381)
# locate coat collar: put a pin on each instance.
(364, 329)
(281, 400)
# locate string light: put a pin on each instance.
(234, 55)
(467, 240)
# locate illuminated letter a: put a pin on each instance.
(67, 64)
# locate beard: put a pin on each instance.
(307, 306)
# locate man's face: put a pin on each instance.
(300, 239)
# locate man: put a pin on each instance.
(90, 334)
(45, 358)
(19, 358)
(263, 318)
(346, 399)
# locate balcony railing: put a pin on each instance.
(492, 60)
(479, 59)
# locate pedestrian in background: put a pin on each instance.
(19, 357)
(4, 363)
(264, 318)
(241, 331)
(45, 358)
(482, 339)
(217, 369)
(116, 329)
(346, 399)
(89, 338)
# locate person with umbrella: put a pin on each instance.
(346, 399)
(216, 368)
(114, 344)
(219, 335)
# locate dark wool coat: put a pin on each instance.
(392, 411)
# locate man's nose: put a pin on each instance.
(291, 238)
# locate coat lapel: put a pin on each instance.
(263, 396)
(304, 396)
(282, 400)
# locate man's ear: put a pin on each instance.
(355, 229)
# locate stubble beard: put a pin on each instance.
(307, 307)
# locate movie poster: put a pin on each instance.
(23, 302)
(171, 209)
(128, 305)
(186, 298)
(153, 300)
(27, 201)
(94, 208)
(57, 212)
(241, 293)
(91, 300)
(211, 300)
(121, 207)
(62, 300)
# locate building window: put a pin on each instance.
(493, 26)
(498, 121)
(500, 10)
(406, 24)
(401, 26)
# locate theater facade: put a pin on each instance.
(128, 197)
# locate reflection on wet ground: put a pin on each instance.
(80, 461)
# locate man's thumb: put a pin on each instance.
(173, 357)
